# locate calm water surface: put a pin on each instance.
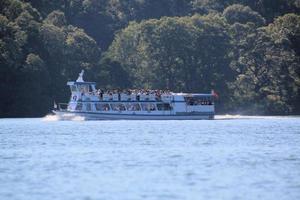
(231, 158)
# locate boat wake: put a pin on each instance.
(228, 117)
(50, 118)
(71, 117)
(219, 117)
(65, 117)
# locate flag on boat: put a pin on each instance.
(216, 95)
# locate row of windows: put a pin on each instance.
(195, 101)
(124, 107)
(81, 88)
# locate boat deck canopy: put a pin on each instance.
(201, 95)
(81, 83)
(194, 95)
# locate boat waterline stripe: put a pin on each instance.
(198, 114)
(127, 101)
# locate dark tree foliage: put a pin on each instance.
(237, 13)
(269, 9)
(247, 50)
(37, 57)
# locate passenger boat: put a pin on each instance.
(88, 102)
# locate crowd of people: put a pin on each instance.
(135, 93)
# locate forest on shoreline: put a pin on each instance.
(246, 50)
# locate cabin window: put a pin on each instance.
(78, 106)
(90, 88)
(102, 107)
(73, 88)
(83, 88)
(118, 107)
(133, 106)
(148, 106)
(199, 100)
(88, 107)
(164, 106)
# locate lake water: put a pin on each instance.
(230, 158)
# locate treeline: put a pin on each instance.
(246, 50)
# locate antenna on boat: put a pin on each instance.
(54, 105)
(80, 77)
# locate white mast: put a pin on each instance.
(80, 77)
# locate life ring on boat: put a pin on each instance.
(75, 98)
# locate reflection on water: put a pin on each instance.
(234, 157)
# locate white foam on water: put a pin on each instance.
(68, 117)
(50, 118)
(71, 117)
(227, 116)
(77, 118)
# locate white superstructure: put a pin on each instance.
(90, 103)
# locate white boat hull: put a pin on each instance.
(104, 116)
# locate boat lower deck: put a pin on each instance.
(113, 116)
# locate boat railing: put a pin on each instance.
(63, 106)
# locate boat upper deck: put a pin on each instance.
(86, 91)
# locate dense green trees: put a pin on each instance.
(248, 65)
(267, 67)
(247, 50)
(237, 13)
(181, 54)
(38, 57)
